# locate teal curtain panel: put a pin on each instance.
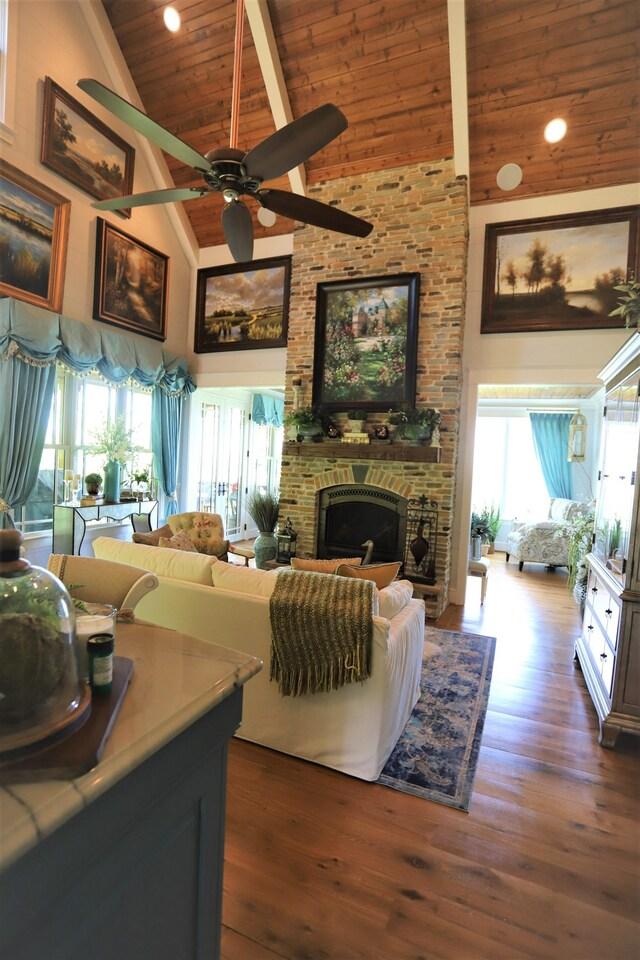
(551, 442)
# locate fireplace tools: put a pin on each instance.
(422, 537)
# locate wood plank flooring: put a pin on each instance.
(320, 866)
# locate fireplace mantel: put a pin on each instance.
(363, 451)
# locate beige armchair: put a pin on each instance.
(102, 581)
(205, 530)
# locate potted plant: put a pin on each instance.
(491, 516)
(356, 421)
(93, 482)
(579, 544)
(479, 535)
(416, 426)
(307, 423)
(263, 509)
(114, 441)
(629, 305)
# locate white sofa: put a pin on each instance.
(353, 729)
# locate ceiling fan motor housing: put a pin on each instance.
(229, 173)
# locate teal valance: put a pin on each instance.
(43, 337)
(267, 410)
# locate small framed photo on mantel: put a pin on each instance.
(243, 306)
(558, 273)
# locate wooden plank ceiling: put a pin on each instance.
(385, 63)
(532, 60)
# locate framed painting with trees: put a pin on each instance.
(558, 273)
(82, 149)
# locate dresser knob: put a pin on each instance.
(608, 612)
(603, 656)
(590, 627)
(594, 589)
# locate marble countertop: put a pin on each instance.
(176, 680)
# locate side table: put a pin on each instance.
(70, 520)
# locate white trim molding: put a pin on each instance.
(8, 59)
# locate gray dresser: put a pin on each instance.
(608, 648)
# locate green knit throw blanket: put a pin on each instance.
(321, 631)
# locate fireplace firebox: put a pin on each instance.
(350, 514)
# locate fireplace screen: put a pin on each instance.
(351, 515)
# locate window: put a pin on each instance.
(222, 446)
(506, 472)
(81, 408)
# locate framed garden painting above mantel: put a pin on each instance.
(243, 306)
(81, 148)
(366, 339)
(558, 273)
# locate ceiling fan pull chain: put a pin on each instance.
(237, 75)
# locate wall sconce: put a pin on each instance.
(577, 446)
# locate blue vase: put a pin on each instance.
(112, 481)
(265, 548)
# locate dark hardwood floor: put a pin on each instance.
(320, 866)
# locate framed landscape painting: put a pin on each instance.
(243, 306)
(83, 149)
(366, 343)
(558, 273)
(131, 282)
(34, 228)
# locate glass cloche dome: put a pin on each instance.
(41, 690)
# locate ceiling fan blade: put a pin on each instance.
(313, 212)
(152, 196)
(238, 230)
(144, 124)
(295, 143)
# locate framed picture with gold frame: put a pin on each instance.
(34, 230)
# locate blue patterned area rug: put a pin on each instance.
(437, 753)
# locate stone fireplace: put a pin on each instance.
(348, 515)
(420, 221)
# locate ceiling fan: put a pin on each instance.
(234, 173)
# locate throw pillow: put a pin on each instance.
(324, 566)
(152, 538)
(179, 541)
(394, 598)
(382, 574)
(246, 580)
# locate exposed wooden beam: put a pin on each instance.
(267, 50)
(459, 98)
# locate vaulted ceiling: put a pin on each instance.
(385, 63)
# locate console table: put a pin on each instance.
(70, 520)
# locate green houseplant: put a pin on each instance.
(491, 517)
(416, 425)
(479, 534)
(307, 423)
(263, 508)
(628, 305)
(356, 420)
(93, 482)
(115, 442)
(580, 530)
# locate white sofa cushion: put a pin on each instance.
(163, 561)
(394, 598)
(245, 580)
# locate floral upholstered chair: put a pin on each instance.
(548, 540)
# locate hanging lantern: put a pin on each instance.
(577, 438)
(286, 543)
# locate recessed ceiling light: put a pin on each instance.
(509, 176)
(171, 19)
(266, 217)
(555, 130)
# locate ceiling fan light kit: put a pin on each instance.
(234, 173)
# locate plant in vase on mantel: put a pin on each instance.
(307, 423)
(263, 508)
(114, 441)
(417, 426)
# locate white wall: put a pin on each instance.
(54, 39)
(552, 357)
(241, 368)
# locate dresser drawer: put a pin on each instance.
(602, 655)
(605, 607)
